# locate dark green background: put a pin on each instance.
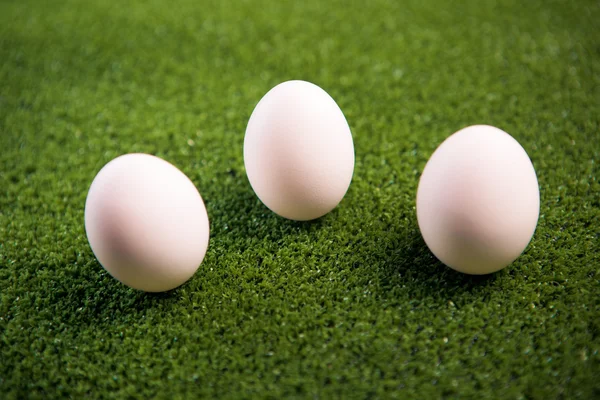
(352, 305)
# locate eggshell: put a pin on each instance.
(298, 151)
(478, 200)
(146, 222)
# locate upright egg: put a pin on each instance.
(146, 222)
(298, 151)
(478, 200)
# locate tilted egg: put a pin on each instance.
(298, 151)
(478, 200)
(146, 222)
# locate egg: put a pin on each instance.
(298, 151)
(146, 222)
(478, 200)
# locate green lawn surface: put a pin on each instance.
(352, 305)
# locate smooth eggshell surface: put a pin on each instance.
(478, 200)
(146, 222)
(298, 151)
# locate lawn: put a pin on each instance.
(352, 305)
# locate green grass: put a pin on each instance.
(352, 305)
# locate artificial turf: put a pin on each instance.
(352, 305)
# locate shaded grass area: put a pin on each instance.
(352, 305)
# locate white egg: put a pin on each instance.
(146, 222)
(478, 200)
(298, 151)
